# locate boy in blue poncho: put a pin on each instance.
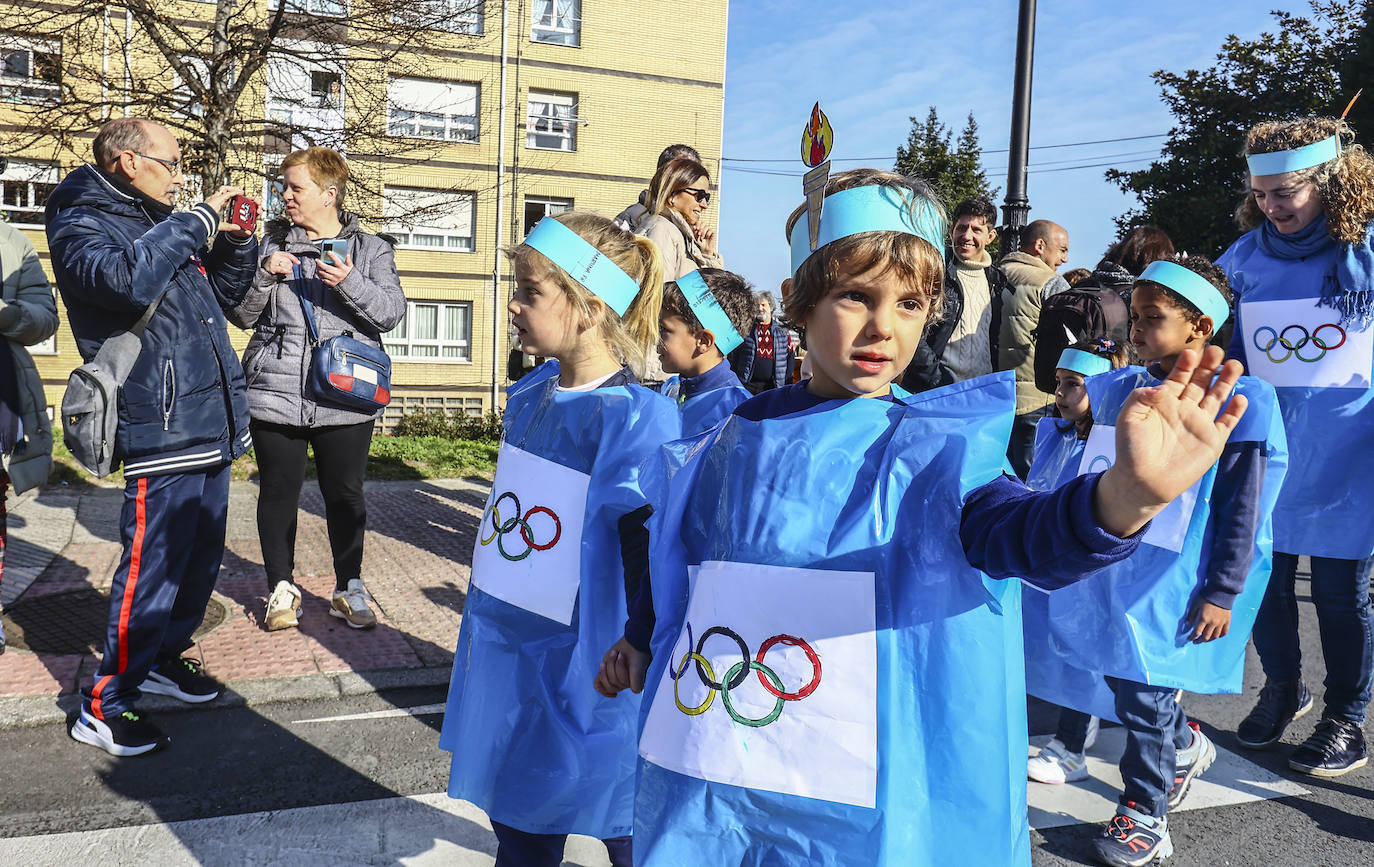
(1177, 613)
(818, 622)
(704, 314)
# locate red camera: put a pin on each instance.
(243, 212)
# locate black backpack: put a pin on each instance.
(1073, 315)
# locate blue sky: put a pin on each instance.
(875, 64)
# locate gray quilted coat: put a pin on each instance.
(367, 303)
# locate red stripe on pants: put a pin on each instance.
(130, 585)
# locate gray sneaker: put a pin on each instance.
(351, 605)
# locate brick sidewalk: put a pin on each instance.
(419, 542)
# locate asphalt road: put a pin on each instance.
(250, 764)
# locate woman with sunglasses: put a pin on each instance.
(678, 194)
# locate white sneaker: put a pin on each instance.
(284, 607)
(351, 605)
(1056, 765)
(1094, 724)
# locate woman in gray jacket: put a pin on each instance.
(28, 315)
(359, 294)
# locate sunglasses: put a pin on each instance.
(702, 196)
(172, 166)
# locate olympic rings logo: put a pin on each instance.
(501, 528)
(737, 674)
(1293, 348)
(1101, 461)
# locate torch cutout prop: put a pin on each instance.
(816, 141)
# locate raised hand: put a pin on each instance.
(1167, 437)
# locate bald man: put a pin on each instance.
(1031, 271)
(118, 245)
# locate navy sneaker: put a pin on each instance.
(127, 734)
(1335, 748)
(1190, 763)
(1133, 839)
(1279, 704)
(181, 678)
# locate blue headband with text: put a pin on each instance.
(584, 263)
(1191, 285)
(1297, 159)
(868, 209)
(709, 313)
(1085, 363)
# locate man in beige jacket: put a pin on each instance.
(1031, 272)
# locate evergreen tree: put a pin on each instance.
(1191, 192)
(954, 169)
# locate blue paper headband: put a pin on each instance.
(867, 209)
(1191, 285)
(709, 313)
(1085, 363)
(584, 263)
(1305, 157)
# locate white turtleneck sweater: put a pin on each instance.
(969, 351)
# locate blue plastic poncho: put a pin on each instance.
(822, 644)
(1129, 620)
(1057, 458)
(534, 745)
(705, 409)
(1323, 393)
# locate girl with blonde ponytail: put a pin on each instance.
(560, 544)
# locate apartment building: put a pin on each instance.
(593, 91)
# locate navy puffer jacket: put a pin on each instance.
(184, 406)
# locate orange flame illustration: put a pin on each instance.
(817, 138)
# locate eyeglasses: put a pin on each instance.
(172, 166)
(702, 196)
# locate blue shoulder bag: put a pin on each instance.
(344, 371)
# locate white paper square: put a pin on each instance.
(1170, 527)
(364, 373)
(823, 745)
(1297, 329)
(536, 561)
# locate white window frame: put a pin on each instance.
(431, 108)
(551, 204)
(556, 22)
(462, 16)
(411, 211)
(290, 99)
(401, 346)
(24, 176)
(556, 112)
(316, 8)
(26, 87)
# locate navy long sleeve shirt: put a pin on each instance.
(1051, 538)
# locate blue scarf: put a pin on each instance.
(1349, 287)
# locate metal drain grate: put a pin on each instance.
(73, 621)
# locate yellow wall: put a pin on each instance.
(641, 86)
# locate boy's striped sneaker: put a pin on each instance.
(127, 734)
(1190, 763)
(1133, 839)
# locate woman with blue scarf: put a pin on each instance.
(1304, 282)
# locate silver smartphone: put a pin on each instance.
(337, 246)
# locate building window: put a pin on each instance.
(539, 207)
(305, 94)
(24, 190)
(426, 108)
(327, 8)
(430, 219)
(461, 16)
(30, 69)
(432, 330)
(558, 22)
(552, 121)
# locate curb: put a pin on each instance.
(37, 710)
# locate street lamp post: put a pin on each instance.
(1015, 206)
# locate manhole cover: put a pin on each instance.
(74, 622)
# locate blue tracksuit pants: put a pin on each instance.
(172, 528)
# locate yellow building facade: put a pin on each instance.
(593, 91)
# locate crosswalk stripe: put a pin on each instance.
(418, 710)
